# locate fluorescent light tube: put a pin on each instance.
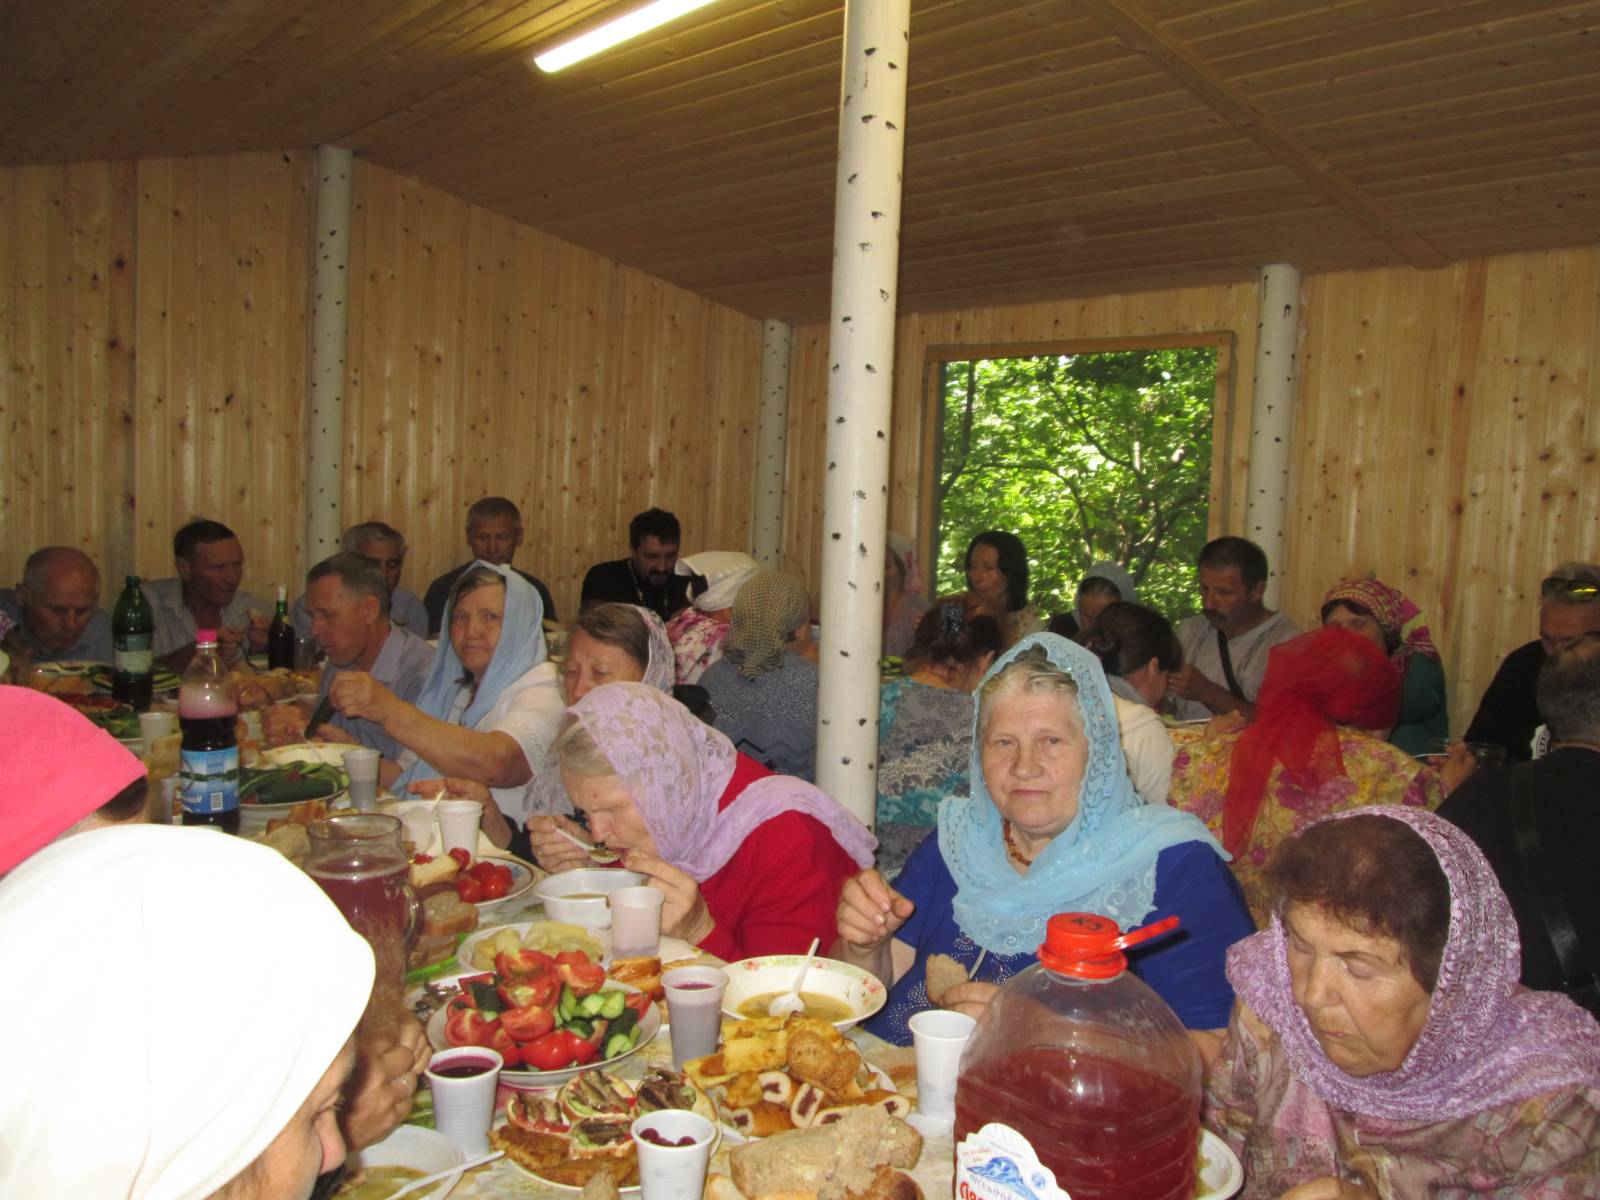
(620, 29)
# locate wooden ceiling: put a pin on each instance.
(1053, 147)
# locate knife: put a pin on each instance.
(319, 716)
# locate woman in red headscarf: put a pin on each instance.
(1386, 618)
(1317, 746)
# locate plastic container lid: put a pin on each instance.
(1089, 946)
(205, 637)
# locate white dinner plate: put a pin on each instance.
(425, 1150)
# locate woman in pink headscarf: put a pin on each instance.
(1381, 1045)
(1396, 626)
(751, 862)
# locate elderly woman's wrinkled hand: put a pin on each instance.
(1327, 1188)
(870, 911)
(971, 998)
(684, 913)
(552, 851)
(378, 1096)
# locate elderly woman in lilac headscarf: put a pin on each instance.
(1382, 1046)
(751, 862)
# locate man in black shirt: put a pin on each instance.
(494, 531)
(1569, 607)
(645, 577)
(1566, 814)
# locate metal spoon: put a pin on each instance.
(790, 1001)
(438, 1175)
(601, 855)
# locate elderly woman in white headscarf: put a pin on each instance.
(212, 1061)
(697, 633)
(764, 690)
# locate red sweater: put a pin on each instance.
(781, 887)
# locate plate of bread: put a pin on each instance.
(776, 1074)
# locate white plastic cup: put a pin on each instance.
(153, 725)
(416, 817)
(673, 1172)
(636, 922)
(463, 1106)
(458, 824)
(361, 764)
(939, 1036)
(694, 1010)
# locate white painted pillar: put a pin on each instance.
(1272, 416)
(772, 436)
(330, 292)
(866, 259)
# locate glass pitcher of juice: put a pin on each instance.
(1078, 1080)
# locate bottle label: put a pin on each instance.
(132, 655)
(209, 779)
(998, 1163)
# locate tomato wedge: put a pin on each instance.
(503, 1044)
(467, 1027)
(528, 1024)
(583, 978)
(550, 1052)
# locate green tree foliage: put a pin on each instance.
(1084, 457)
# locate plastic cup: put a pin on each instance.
(939, 1036)
(416, 818)
(458, 824)
(463, 1104)
(694, 1010)
(361, 765)
(636, 922)
(153, 725)
(673, 1172)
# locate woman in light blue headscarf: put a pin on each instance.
(491, 704)
(1053, 825)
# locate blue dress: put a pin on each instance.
(1185, 968)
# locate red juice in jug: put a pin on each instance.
(1079, 1080)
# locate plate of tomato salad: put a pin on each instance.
(548, 1017)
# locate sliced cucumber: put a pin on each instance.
(612, 1004)
(591, 1004)
(619, 1043)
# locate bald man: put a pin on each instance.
(56, 609)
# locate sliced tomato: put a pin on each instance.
(467, 1027)
(639, 1002)
(583, 978)
(550, 1052)
(575, 957)
(503, 1044)
(581, 1049)
(541, 991)
(528, 1024)
(516, 963)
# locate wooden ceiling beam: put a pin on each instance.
(1125, 19)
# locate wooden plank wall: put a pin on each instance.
(1448, 439)
(153, 330)
(488, 358)
(1447, 431)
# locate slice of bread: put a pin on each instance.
(448, 913)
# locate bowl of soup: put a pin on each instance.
(584, 897)
(833, 991)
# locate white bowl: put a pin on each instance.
(593, 912)
(424, 1150)
(752, 977)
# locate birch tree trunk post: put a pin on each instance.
(1272, 416)
(866, 258)
(772, 433)
(330, 292)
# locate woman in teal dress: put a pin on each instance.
(1385, 616)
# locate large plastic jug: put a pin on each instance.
(1078, 1080)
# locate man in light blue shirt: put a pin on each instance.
(386, 546)
(347, 598)
(56, 611)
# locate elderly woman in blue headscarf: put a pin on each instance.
(1052, 825)
(490, 706)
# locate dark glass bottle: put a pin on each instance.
(132, 631)
(280, 636)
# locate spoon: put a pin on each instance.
(597, 854)
(438, 1175)
(790, 1001)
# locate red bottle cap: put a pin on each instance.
(203, 637)
(1089, 946)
